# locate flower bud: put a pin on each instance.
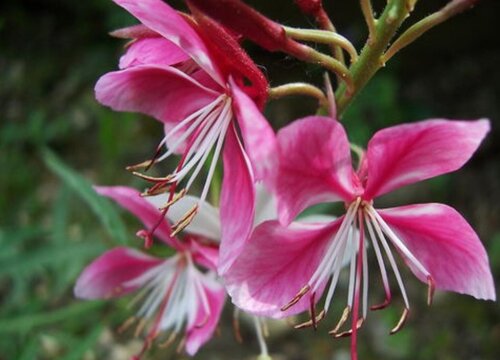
(310, 7)
(244, 20)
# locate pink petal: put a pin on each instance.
(204, 325)
(404, 154)
(107, 276)
(258, 136)
(275, 264)
(446, 245)
(237, 202)
(131, 200)
(162, 92)
(152, 51)
(164, 20)
(315, 166)
(204, 254)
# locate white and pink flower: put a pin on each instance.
(178, 294)
(287, 267)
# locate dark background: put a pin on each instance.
(51, 54)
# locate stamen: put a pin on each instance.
(310, 322)
(153, 179)
(127, 324)
(383, 271)
(430, 290)
(157, 189)
(296, 298)
(401, 321)
(365, 282)
(236, 326)
(181, 345)
(313, 310)
(349, 332)
(338, 267)
(391, 258)
(398, 243)
(176, 198)
(170, 340)
(140, 327)
(184, 221)
(343, 319)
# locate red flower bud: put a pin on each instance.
(310, 7)
(244, 20)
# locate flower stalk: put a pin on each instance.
(324, 37)
(415, 31)
(298, 88)
(371, 58)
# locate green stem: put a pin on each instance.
(427, 23)
(367, 9)
(298, 89)
(325, 37)
(371, 57)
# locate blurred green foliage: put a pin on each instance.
(52, 224)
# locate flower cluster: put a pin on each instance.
(189, 72)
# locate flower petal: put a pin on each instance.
(106, 276)
(206, 223)
(445, 244)
(275, 264)
(237, 202)
(202, 328)
(131, 200)
(258, 136)
(404, 154)
(162, 92)
(315, 166)
(266, 207)
(163, 19)
(204, 254)
(152, 51)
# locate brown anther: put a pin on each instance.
(381, 306)
(401, 321)
(296, 298)
(180, 347)
(124, 327)
(153, 179)
(236, 328)
(157, 189)
(347, 333)
(176, 198)
(169, 341)
(343, 319)
(310, 322)
(312, 310)
(142, 165)
(140, 327)
(430, 290)
(184, 221)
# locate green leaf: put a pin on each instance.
(83, 346)
(30, 350)
(106, 213)
(27, 322)
(48, 255)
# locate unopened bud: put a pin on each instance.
(310, 7)
(246, 21)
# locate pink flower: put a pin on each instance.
(191, 75)
(283, 264)
(174, 292)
